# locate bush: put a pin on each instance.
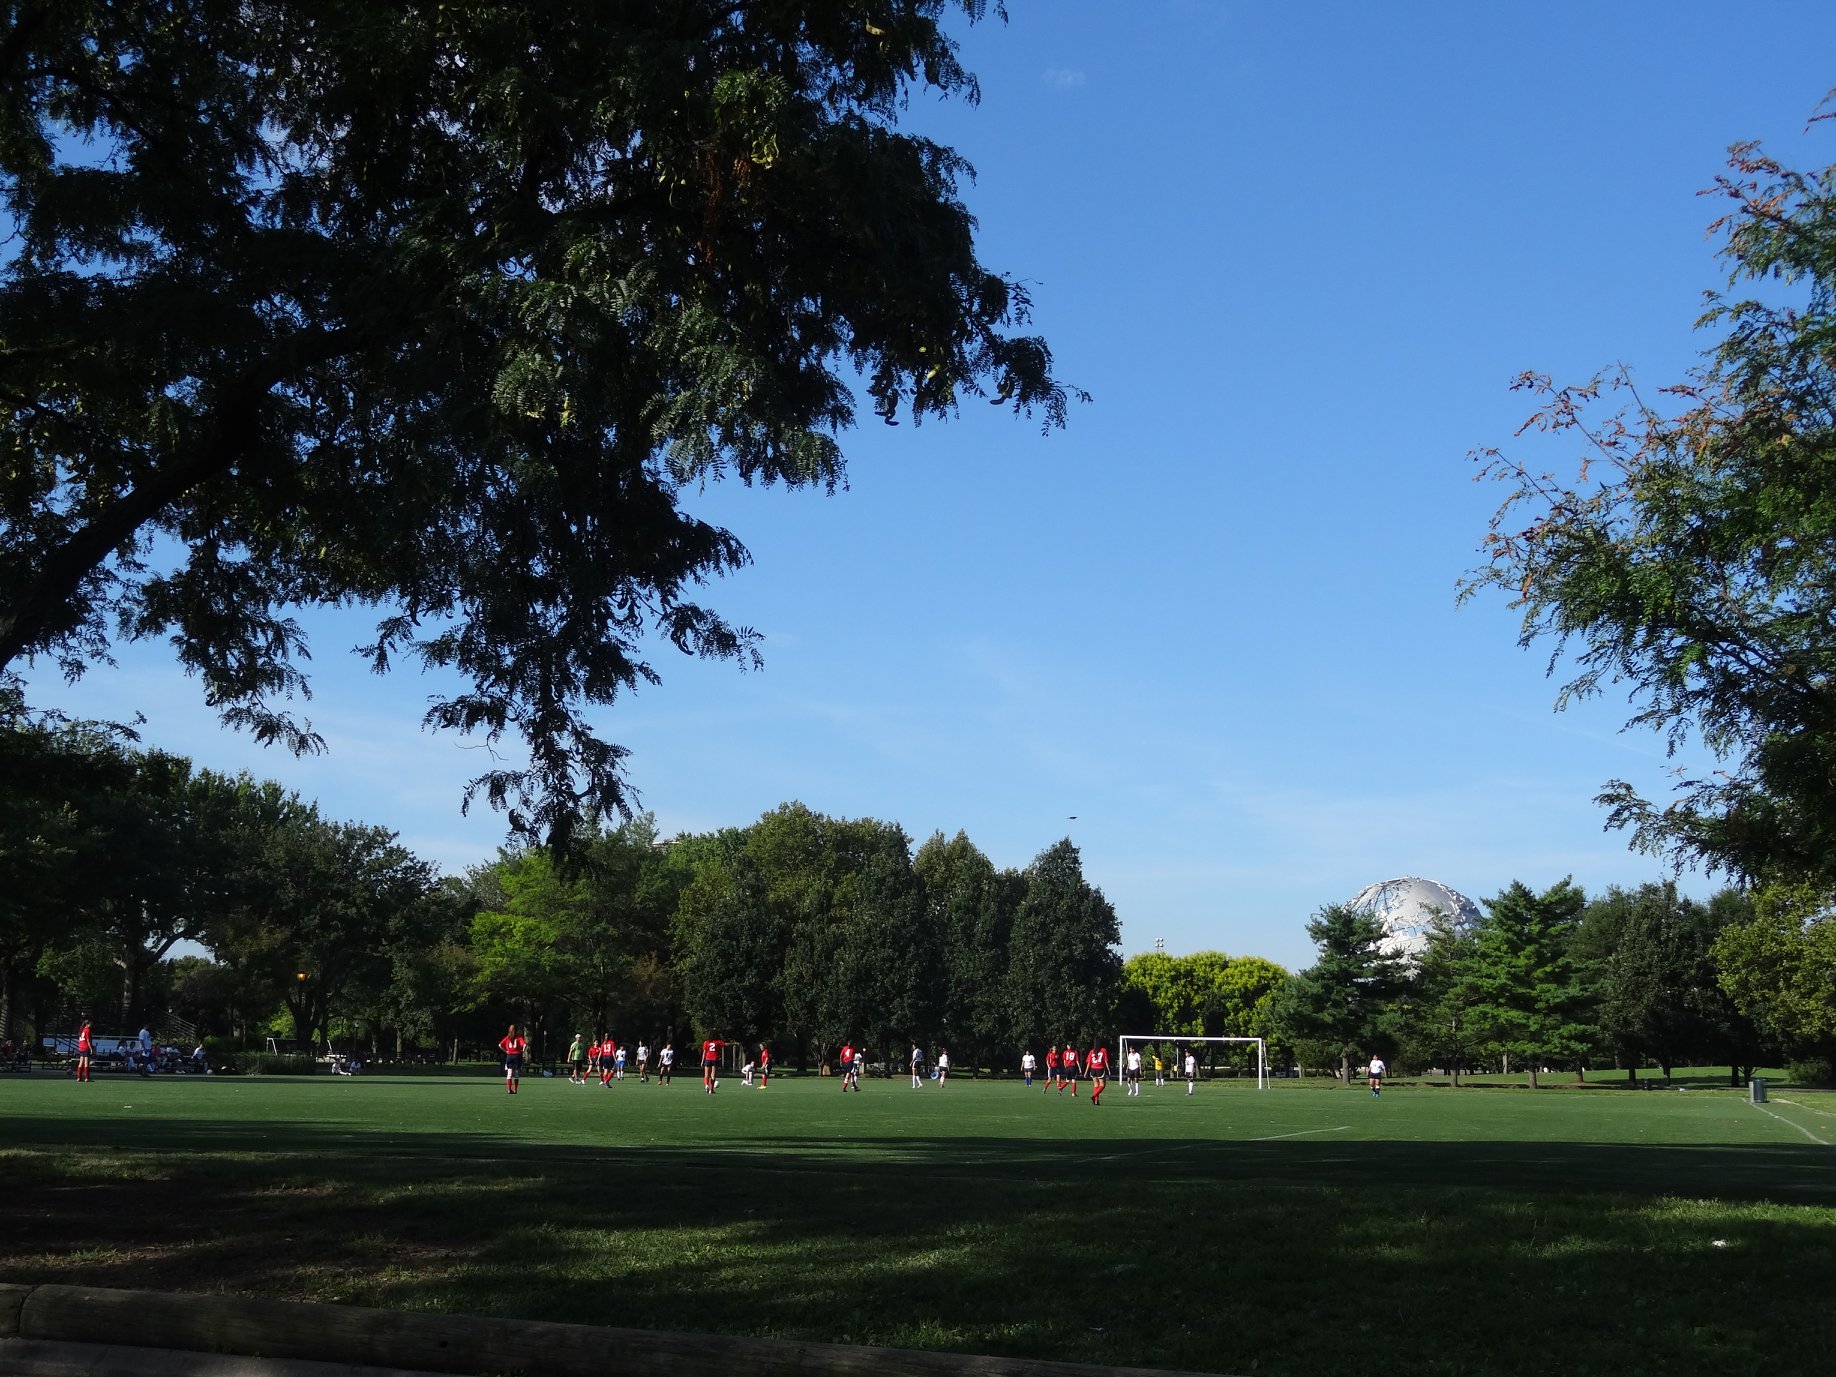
(271, 1064)
(1813, 1071)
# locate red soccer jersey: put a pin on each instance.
(1098, 1060)
(764, 1057)
(83, 1043)
(847, 1055)
(1069, 1061)
(710, 1050)
(1052, 1059)
(513, 1046)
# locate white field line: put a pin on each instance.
(1273, 1137)
(1789, 1124)
(1807, 1108)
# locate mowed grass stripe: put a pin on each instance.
(1307, 1229)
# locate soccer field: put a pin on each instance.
(1305, 1229)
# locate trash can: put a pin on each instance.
(1756, 1090)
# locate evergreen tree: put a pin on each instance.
(1441, 1027)
(1346, 1001)
(1528, 991)
(1065, 971)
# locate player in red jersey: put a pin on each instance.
(710, 1063)
(764, 1066)
(84, 1047)
(514, 1046)
(1096, 1062)
(1067, 1070)
(608, 1060)
(1051, 1066)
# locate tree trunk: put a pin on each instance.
(1533, 1084)
(1632, 1074)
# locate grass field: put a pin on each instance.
(1307, 1229)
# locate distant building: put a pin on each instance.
(1405, 907)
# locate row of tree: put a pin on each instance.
(1636, 977)
(803, 929)
(807, 930)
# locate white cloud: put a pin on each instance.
(1064, 78)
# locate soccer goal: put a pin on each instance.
(1175, 1040)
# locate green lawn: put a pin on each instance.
(1308, 1229)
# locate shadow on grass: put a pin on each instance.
(1298, 1256)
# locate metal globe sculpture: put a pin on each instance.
(1406, 906)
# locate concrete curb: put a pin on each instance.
(363, 1341)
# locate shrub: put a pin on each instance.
(272, 1064)
(1812, 1071)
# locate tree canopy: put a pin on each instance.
(438, 310)
(1693, 559)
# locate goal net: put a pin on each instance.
(1173, 1048)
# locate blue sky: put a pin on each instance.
(1296, 254)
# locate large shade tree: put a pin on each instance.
(437, 309)
(1693, 560)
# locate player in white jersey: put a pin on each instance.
(1131, 1072)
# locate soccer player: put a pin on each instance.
(917, 1067)
(643, 1061)
(514, 1046)
(1160, 1070)
(1068, 1070)
(85, 1046)
(1051, 1067)
(1191, 1071)
(618, 1064)
(1377, 1070)
(847, 1065)
(576, 1060)
(1027, 1065)
(608, 1051)
(764, 1066)
(1131, 1072)
(710, 1063)
(943, 1065)
(666, 1063)
(745, 1075)
(1096, 1061)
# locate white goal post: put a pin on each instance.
(1181, 1040)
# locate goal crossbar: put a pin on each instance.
(1261, 1045)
